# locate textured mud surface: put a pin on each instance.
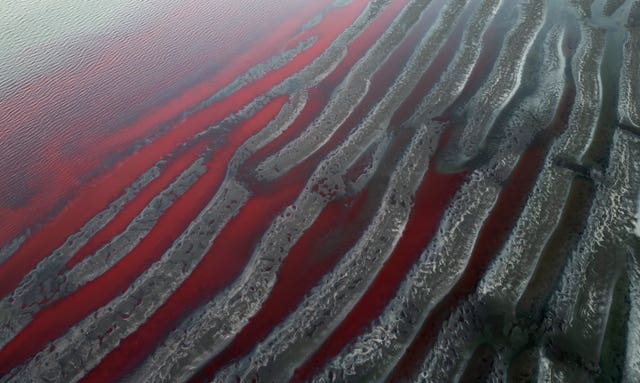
(386, 190)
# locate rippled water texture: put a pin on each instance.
(324, 191)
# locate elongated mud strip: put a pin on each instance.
(581, 306)
(376, 352)
(346, 97)
(316, 20)
(92, 267)
(252, 75)
(587, 106)
(102, 331)
(457, 74)
(40, 289)
(485, 107)
(255, 73)
(12, 316)
(304, 330)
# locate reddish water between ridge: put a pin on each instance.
(101, 135)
